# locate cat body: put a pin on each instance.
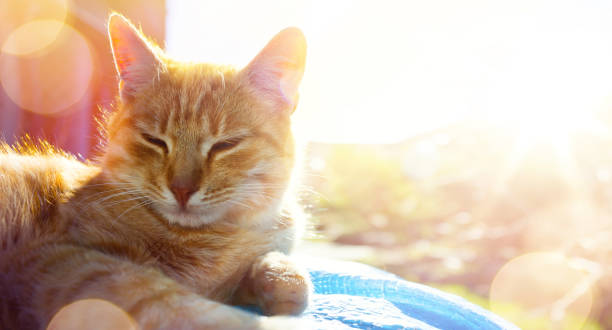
(183, 213)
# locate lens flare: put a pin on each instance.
(32, 37)
(23, 11)
(543, 290)
(91, 314)
(49, 82)
(14, 14)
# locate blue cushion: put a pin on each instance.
(350, 295)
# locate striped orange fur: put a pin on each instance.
(183, 213)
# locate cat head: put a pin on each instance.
(203, 142)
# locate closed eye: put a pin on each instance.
(224, 145)
(155, 141)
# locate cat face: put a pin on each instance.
(203, 142)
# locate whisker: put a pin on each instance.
(214, 200)
(90, 197)
(105, 198)
(126, 200)
(140, 183)
(109, 184)
(147, 202)
(216, 193)
(238, 203)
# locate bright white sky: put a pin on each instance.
(384, 70)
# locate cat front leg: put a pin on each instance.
(276, 284)
(62, 275)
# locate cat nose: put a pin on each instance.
(182, 193)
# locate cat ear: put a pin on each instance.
(135, 60)
(277, 70)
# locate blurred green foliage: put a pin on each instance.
(451, 208)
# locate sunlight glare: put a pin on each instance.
(549, 127)
(546, 287)
(383, 71)
(32, 37)
(30, 26)
(51, 81)
(94, 314)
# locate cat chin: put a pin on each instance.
(192, 219)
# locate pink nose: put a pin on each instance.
(182, 194)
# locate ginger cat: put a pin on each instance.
(184, 212)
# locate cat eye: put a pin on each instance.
(224, 145)
(155, 141)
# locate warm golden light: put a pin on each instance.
(32, 37)
(513, 100)
(91, 314)
(383, 71)
(543, 290)
(16, 13)
(51, 81)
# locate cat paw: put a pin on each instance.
(281, 287)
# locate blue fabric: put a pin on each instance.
(349, 295)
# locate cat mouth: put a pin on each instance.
(182, 211)
(191, 216)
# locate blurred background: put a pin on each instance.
(460, 144)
